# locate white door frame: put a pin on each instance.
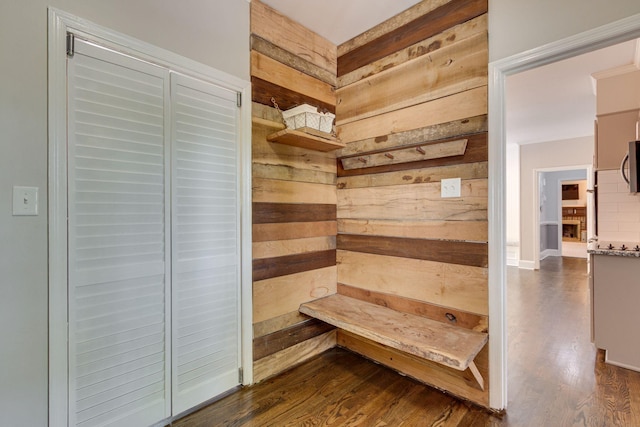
(59, 24)
(606, 35)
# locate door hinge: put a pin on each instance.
(239, 99)
(70, 45)
(240, 375)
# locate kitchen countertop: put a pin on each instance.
(593, 249)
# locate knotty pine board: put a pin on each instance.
(446, 16)
(295, 160)
(278, 248)
(275, 72)
(296, 62)
(291, 36)
(424, 47)
(267, 268)
(463, 319)
(459, 106)
(447, 285)
(463, 253)
(459, 383)
(294, 355)
(281, 295)
(278, 191)
(294, 230)
(272, 343)
(447, 230)
(415, 202)
(416, 176)
(446, 71)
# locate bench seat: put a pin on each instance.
(439, 342)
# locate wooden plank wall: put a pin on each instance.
(417, 78)
(294, 194)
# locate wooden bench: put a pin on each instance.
(428, 339)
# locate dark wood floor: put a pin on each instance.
(556, 377)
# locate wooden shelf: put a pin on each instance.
(428, 339)
(306, 138)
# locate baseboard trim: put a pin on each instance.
(527, 265)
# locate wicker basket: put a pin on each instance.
(308, 116)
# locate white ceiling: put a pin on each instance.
(549, 103)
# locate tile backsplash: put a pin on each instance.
(618, 210)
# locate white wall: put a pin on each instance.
(513, 203)
(546, 155)
(215, 33)
(519, 25)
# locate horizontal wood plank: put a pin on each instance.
(423, 47)
(263, 90)
(462, 319)
(456, 68)
(452, 252)
(459, 383)
(459, 106)
(296, 230)
(476, 152)
(277, 191)
(269, 344)
(289, 173)
(448, 285)
(449, 230)
(285, 156)
(267, 268)
(270, 70)
(397, 21)
(415, 202)
(296, 62)
(277, 323)
(291, 36)
(292, 356)
(416, 176)
(273, 298)
(446, 16)
(428, 339)
(278, 248)
(265, 213)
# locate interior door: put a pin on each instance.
(118, 287)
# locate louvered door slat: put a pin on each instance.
(117, 257)
(205, 242)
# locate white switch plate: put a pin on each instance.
(25, 200)
(450, 187)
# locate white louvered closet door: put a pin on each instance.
(206, 252)
(153, 240)
(118, 288)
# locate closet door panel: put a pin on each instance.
(205, 236)
(117, 230)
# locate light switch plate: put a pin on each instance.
(450, 187)
(25, 200)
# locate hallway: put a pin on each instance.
(556, 377)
